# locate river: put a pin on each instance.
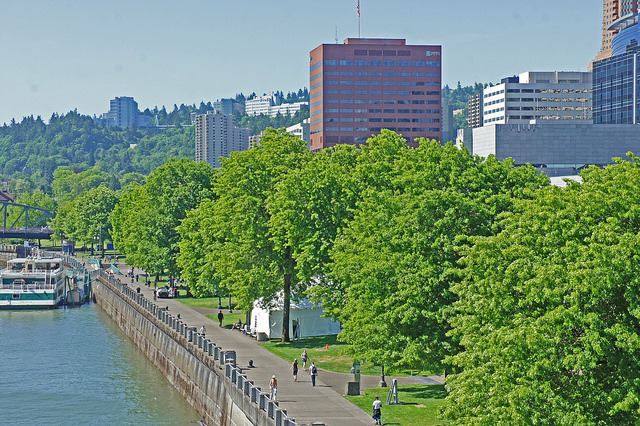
(75, 366)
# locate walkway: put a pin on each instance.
(322, 404)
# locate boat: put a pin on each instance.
(32, 283)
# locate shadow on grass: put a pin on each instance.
(421, 392)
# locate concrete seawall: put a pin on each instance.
(204, 374)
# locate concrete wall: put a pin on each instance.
(193, 365)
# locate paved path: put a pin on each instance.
(306, 404)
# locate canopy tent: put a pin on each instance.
(304, 316)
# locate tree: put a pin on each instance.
(548, 311)
(394, 264)
(146, 220)
(92, 209)
(249, 260)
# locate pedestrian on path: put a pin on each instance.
(273, 388)
(220, 318)
(377, 413)
(304, 357)
(203, 330)
(294, 367)
(313, 371)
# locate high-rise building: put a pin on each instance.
(123, 113)
(616, 79)
(557, 96)
(228, 106)
(475, 111)
(612, 10)
(216, 136)
(364, 85)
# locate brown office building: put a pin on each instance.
(612, 10)
(365, 85)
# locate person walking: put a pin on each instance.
(313, 371)
(304, 358)
(273, 388)
(203, 330)
(294, 367)
(377, 413)
(220, 318)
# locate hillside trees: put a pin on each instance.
(549, 309)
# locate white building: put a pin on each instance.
(271, 105)
(216, 136)
(300, 130)
(539, 97)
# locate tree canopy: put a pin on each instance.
(548, 311)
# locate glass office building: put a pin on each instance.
(615, 79)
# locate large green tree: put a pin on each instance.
(548, 315)
(394, 264)
(146, 220)
(250, 260)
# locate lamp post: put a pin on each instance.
(230, 311)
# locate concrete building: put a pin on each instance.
(228, 106)
(216, 136)
(557, 96)
(364, 85)
(616, 79)
(272, 105)
(557, 150)
(474, 117)
(123, 112)
(448, 124)
(612, 10)
(301, 130)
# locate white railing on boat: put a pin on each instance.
(28, 287)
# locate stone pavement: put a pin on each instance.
(323, 404)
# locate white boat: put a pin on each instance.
(32, 283)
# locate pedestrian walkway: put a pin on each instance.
(323, 404)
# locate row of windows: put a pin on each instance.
(377, 129)
(544, 91)
(385, 101)
(379, 83)
(379, 63)
(377, 52)
(382, 92)
(377, 111)
(379, 74)
(380, 120)
(497, 101)
(491, 111)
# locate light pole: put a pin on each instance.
(230, 311)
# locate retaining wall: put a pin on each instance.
(203, 373)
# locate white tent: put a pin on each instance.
(306, 315)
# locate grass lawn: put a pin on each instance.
(228, 319)
(206, 302)
(333, 359)
(419, 404)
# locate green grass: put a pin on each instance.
(332, 360)
(206, 302)
(229, 319)
(419, 404)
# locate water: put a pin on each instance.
(75, 366)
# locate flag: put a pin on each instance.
(358, 8)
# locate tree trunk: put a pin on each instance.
(286, 306)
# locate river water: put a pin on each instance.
(75, 366)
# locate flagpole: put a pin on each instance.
(358, 18)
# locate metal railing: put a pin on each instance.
(226, 358)
(28, 287)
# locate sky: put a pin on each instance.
(61, 55)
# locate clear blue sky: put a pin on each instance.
(57, 55)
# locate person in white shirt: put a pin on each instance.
(377, 414)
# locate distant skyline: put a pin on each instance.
(71, 54)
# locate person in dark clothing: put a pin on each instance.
(220, 318)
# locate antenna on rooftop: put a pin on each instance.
(336, 34)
